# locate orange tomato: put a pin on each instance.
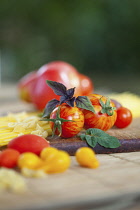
(86, 85)
(72, 127)
(100, 120)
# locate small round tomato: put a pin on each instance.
(48, 153)
(105, 114)
(29, 143)
(56, 163)
(29, 160)
(85, 156)
(9, 158)
(86, 85)
(124, 117)
(72, 127)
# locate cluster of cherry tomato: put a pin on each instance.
(106, 115)
(24, 152)
(32, 87)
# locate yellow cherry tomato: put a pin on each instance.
(58, 163)
(85, 156)
(96, 164)
(29, 160)
(48, 153)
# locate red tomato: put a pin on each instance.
(124, 117)
(86, 85)
(29, 143)
(99, 120)
(56, 71)
(25, 86)
(9, 158)
(69, 129)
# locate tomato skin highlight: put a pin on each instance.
(97, 119)
(9, 158)
(124, 117)
(29, 143)
(69, 129)
(86, 85)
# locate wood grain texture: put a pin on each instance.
(129, 138)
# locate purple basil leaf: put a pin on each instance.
(84, 103)
(50, 107)
(71, 102)
(63, 99)
(70, 92)
(58, 88)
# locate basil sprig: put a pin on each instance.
(95, 136)
(66, 96)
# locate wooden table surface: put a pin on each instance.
(114, 185)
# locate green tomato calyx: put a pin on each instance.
(106, 107)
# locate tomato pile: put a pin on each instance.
(32, 87)
(82, 118)
(32, 153)
(69, 104)
(69, 115)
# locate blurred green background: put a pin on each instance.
(101, 38)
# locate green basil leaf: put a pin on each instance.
(94, 132)
(84, 103)
(109, 142)
(95, 135)
(88, 138)
(92, 141)
(82, 136)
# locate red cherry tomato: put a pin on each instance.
(9, 158)
(28, 143)
(86, 85)
(124, 117)
(69, 129)
(25, 86)
(56, 71)
(99, 120)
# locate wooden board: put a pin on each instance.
(129, 138)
